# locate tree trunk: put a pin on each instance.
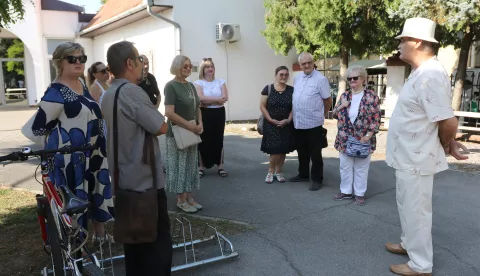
(342, 84)
(461, 70)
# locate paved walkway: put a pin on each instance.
(306, 233)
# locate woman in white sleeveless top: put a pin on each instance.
(97, 81)
(213, 95)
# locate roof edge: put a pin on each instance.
(113, 19)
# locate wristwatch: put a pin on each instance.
(367, 135)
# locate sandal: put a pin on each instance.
(280, 178)
(342, 196)
(222, 172)
(201, 173)
(195, 204)
(269, 178)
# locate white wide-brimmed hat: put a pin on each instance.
(420, 28)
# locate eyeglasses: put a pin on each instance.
(187, 66)
(73, 59)
(205, 59)
(352, 78)
(284, 75)
(140, 58)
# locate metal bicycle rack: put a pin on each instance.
(182, 232)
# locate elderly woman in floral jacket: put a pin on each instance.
(358, 115)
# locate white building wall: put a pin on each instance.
(29, 30)
(396, 78)
(151, 37)
(60, 24)
(247, 65)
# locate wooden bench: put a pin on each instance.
(465, 114)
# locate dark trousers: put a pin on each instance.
(309, 144)
(155, 258)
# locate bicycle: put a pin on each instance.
(57, 213)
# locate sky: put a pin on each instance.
(91, 6)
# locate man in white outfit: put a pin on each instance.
(422, 130)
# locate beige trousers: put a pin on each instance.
(414, 201)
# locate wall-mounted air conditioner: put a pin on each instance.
(227, 32)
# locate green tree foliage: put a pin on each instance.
(103, 2)
(342, 27)
(11, 11)
(459, 22)
(16, 50)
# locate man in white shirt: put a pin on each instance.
(311, 103)
(422, 130)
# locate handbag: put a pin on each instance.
(355, 148)
(261, 119)
(184, 138)
(136, 213)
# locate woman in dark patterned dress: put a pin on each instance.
(68, 116)
(276, 107)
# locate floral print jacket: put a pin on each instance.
(368, 120)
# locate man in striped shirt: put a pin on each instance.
(311, 103)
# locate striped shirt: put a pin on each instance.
(308, 95)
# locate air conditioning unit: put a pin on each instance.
(228, 32)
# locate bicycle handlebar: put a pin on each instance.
(27, 152)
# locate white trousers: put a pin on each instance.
(353, 174)
(414, 201)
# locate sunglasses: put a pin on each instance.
(103, 71)
(352, 78)
(187, 66)
(205, 59)
(73, 59)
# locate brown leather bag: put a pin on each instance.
(136, 213)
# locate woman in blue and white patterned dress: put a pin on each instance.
(68, 116)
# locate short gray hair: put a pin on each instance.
(62, 51)
(362, 72)
(429, 47)
(177, 64)
(117, 54)
(304, 54)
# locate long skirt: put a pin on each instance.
(211, 148)
(182, 168)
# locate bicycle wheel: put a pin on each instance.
(92, 270)
(58, 262)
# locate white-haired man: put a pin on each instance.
(422, 129)
(311, 102)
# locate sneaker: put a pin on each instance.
(269, 178)
(359, 200)
(342, 196)
(186, 207)
(196, 205)
(280, 178)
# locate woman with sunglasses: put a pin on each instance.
(97, 81)
(182, 109)
(68, 118)
(213, 94)
(276, 107)
(358, 115)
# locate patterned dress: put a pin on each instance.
(279, 105)
(368, 120)
(70, 119)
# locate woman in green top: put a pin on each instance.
(181, 107)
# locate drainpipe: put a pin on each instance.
(178, 28)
